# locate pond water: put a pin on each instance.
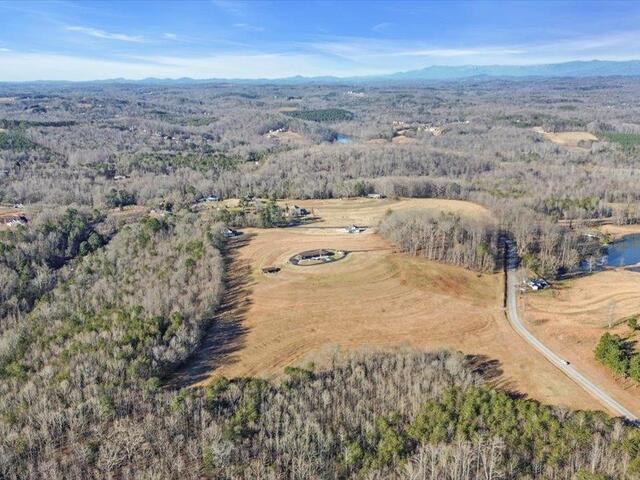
(343, 139)
(623, 252)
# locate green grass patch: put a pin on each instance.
(628, 141)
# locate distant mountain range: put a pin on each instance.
(593, 68)
(582, 69)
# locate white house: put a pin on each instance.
(296, 211)
(230, 233)
(354, 229)
(15, 221)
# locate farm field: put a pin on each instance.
(368, 212)
(374, 298)
(287, 136)
(567, 139)
(571, 317)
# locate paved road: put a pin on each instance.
(559, 362)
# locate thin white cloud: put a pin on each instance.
(94, 32)
(366, 49)
(457, 52)
(595, 42)
(170, 36)
(232, 7)
(402, 54)
(339, 56)
(382, 27)
(248, 28)
(48, 66)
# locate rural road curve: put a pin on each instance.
(556, 360)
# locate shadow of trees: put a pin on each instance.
(225, 333)
(491, 372)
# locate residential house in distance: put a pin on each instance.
(354, 229)
(296, 211)
(16, 220)
(230, 233)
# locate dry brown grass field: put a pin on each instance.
(571, 317)
(374, 298)
(403, 139)
(617, 231)
(567, 139)
(288, 136)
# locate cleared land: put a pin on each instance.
(572, 316)
(374, 298)
(361, 211)
(618, 231)
(7, 213)
(568, 139)
(287, 136)
(403, 139)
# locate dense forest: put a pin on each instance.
(71, 145)
(359, 417)
(107, 326)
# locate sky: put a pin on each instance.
(90, 40)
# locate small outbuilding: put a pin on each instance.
(230, 233)
(16, 220)
(354, 229)
(537, 284)
(296, 211)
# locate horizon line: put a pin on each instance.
(373, 77)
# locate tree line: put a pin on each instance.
(619, 355)
(445, 237)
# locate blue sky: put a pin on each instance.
(85, 40)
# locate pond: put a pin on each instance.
(343, 139)
(623, 252)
